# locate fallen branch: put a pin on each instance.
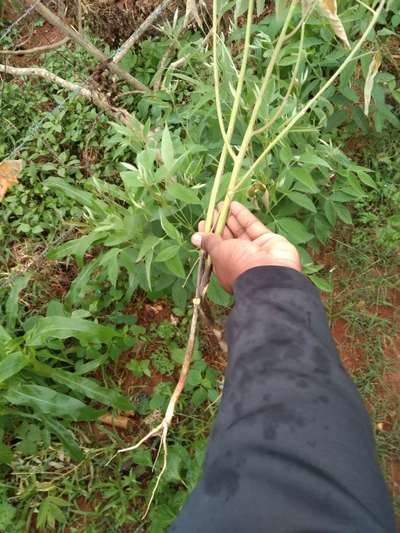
(37, 49)
(95, 97)
(133, 39)
(89, 47)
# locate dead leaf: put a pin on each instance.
(369, 80)
(329, 9)
(10, 172)
(192, 12)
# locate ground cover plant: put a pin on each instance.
(97, 269)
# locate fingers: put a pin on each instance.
(207, 242)
(226, 234)
(243, 224)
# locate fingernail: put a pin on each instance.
(196, 239)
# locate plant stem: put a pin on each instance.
(250, 128)
(279, 110)
(235, 107)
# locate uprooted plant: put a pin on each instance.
(273, 123)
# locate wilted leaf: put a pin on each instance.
(369, 81)
(10, 171)
(329, 9)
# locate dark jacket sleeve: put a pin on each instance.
(292, 448)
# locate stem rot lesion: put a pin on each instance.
(239, 175)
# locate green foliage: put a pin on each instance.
(134, 196)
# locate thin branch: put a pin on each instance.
(88, 46)
(250, 128)
(235, 108)
(136, 35)
(94, 96)
(293, 79)
(79, 15)
(37, 49)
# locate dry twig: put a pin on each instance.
(96, 97)
(88, 46)
(133, 39)
(37, 49)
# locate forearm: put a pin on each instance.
(292, 444)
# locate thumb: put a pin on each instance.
(208, 242)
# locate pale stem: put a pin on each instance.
(235, 107)
(250, 128)
(279, 110)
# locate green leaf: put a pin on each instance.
(240, 8)
(81, 197)
(182, 193)
(49, 514)
(343, 213)
(336, 119)
(294, 230)
(60, 327)
(6, 456)
(366, 179)
(50, 402)
(65, 436)
(147, 245)
(12, 364)
(12, 301)
(174, 265)
(302, 200)
(322, 228)
(76, 247)
(194, 378)
(199, 396)
(142, 457)
(80, 284)
(110, 261)
(313, 160)
(167, 149)
(91, 389)
(147, 265)
(330, 213)
(167, 253)
(217, 294)
(304, 177)
(322, 284)
(169, 228)
(4, 335)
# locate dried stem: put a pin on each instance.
(88, 46)
(136, 35)
(37, 49)
(118, 113)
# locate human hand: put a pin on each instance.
(245, 243)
